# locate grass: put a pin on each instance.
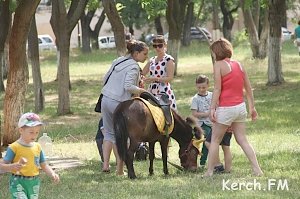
(275, 136)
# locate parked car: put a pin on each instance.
(197, 33)
(106, 42)
(46, 42)
(286, 34)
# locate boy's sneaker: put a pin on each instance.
(219, 169)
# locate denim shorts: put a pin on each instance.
(229, 114)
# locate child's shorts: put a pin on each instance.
(24, 187)
(225, 141)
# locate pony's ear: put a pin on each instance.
(190, 121)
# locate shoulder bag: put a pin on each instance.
(98, 105)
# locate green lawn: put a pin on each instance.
(275, 136)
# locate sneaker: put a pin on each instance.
(219, 169)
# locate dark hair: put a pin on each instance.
(201, 79)
(159, 39)
(299, 22)
(222, 48)
(135, 46)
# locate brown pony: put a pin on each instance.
(133, 120)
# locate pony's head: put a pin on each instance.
(188, 155)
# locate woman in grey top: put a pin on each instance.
(121, 85)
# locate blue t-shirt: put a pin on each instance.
(297, 32)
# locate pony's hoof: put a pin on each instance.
(132, 177)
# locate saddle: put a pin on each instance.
(163, 103)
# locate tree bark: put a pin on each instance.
(85, 21)
(116, 24)
(175, 13)
(186, 40)
(5, 22)
(158, 26)
(63, 24)
(17, 79)
(258, 45)
(33, 54)
(275, 76)
(227, 19)
(95, 33)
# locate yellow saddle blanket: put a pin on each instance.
(158, 117)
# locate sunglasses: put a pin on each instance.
(157, 45)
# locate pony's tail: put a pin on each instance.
(121, 133)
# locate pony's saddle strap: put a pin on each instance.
(163, 103)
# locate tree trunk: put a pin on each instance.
(17, 80)
(63, 24)
(216, 33)
(158, 26)
(116, 24)
(95, 33)
(85, 21)
(227, 19)
(33, 54)
(276, 11)
(175, 13)
(5, 22)
(186, 41)
(258, 46)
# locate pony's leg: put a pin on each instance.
(151, 157)
(129, 160)
(164, 150)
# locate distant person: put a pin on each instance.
(201, 110)
(228, 107)
(122, 83)
(161, 71)
(25, 181)
(297, 36)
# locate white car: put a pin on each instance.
(46, 42)
(106, 42)
(286, 34)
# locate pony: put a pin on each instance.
(133, 120)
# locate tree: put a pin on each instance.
(63, 23)
(17, 79)
(175, 16)
(155, 10)
(189, 17)
(277, 9)
(116, 24)
(258, 39)
(33, 54)
(5, 23)
(228, 19)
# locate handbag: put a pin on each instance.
(98, 104)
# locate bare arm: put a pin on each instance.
(146, 70)
(49, 171)
(199, 114)
(250, 97)
(216, 91)
(5, 166)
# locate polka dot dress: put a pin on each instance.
(158, 69)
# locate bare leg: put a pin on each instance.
(227, 158)
(239, 130)
(218, 161)
(107, 147)
(218, 131)
(120, 162)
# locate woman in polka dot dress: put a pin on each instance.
(161, 70)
